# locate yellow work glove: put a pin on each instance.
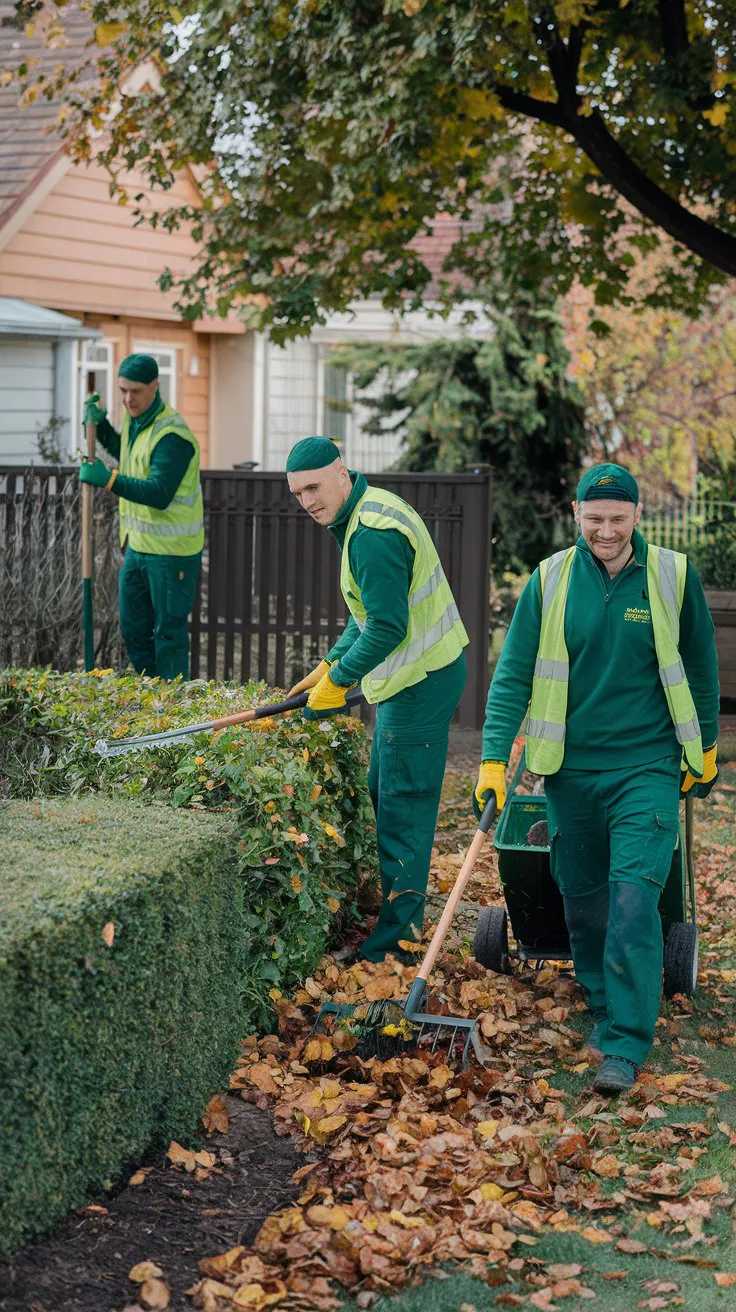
(326, 698)
(701, 787)
(491, 778)
(311, 680)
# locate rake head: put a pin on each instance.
(386, 1029)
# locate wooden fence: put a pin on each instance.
(684, 524)
(268, 605)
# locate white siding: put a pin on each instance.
(26, 396)
(291, 405)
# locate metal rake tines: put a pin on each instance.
(450, 1032)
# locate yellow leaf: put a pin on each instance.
(487, 1129)
(333, 905)
(594, 1235)
(144, 1271)
(332, 833)
(717, 115)
(296, 883)
(106, 34)
(491, 1192)
(607, 1167)
(315, 792)
(318, 1050)
(108, 933)
(255, 1296)
(408, 1222)
(336, 1218)
(329, 1125)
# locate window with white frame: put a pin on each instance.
(335, 403)
(95, 373)
(165, 357)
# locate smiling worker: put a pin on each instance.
(404, 643)
(611, 650)
(161, 517)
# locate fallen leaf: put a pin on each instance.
(108, 933)
(215, 1118)
(595, 1236)
(726, 1279)
(631, 1246)
(154, 1294)
(144, 1271)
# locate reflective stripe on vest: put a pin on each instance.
(179, 529)
(666, 577)
(545, 725)
(435, 635)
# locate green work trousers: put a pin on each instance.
(156, 599)
(612, 836)
(408, 756)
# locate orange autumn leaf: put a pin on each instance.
(215, 1118)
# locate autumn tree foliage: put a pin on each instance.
(565, 136)
(503, 400)
(660, 393)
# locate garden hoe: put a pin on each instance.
(118, 747)
(388, 1028)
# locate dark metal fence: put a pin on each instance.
(269, 603)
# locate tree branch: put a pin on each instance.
(673, 26)
(545, 111)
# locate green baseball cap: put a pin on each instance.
(138, 368)
(608, 483)
(311, 453)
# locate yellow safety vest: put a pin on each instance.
(436, 634)
(545, 723)
(179, 529)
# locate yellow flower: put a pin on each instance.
(199, 760)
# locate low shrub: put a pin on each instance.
(296, 792)
(122, 946)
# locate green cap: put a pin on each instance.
(608, 483)
(311, 453)
(139, 368)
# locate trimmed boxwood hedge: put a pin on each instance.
(108, 1047)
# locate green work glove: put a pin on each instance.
(491, 779)
(94, 413)
(95, 472)
(701, 787)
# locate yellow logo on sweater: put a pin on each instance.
(638, 615)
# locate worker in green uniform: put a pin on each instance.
(611, 654)
(404, 642)
(161, 517)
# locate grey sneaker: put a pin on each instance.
(616, 1075)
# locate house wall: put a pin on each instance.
(26, 395)
(79, 249)
(192, 361)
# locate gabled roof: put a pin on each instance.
(21, 319)
(29, 143)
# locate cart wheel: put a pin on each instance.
(681, 960)
(491, 942)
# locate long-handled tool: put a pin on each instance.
(118, 747)
(88, 493)
(390, 1027)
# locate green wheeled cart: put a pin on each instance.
(534, 902)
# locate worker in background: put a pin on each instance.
(611, 650)
(404, 644)
(161, 517)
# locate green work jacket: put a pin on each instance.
(617, 712)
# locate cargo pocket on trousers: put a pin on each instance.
(659, 848)
(180, 591)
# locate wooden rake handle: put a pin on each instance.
(440, 934)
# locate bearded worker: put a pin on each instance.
(404, 643)
(611, 651)
(161, 517)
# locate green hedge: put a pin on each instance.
(108, 1048)
(296, 792)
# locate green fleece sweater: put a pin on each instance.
(169, 464)
(382, 562)
(617, 712)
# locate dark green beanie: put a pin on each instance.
(608, 483)
(139, 368)
(311, 453)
